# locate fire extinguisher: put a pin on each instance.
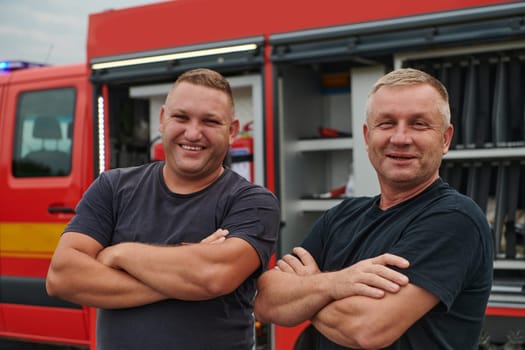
(241, 153)
(157, 149)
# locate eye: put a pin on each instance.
(180, 117)
(420, 125)
(212, 122)
(385, 124)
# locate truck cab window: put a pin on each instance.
(43, 133)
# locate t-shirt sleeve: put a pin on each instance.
(94, 214)
(441, 248)
(255, 217)
(314, 241)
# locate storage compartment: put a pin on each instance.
(486, 87)
(318, 149)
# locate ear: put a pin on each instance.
(447, 138)
(234, 129)
(365, 135)
(161, 118)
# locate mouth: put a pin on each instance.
(191, 148)
(400, 157)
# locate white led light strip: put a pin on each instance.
(101, 144)
(174, 56)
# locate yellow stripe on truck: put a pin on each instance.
(37, 240)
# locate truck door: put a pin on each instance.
(44, 170)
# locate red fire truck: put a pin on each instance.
(297, 69)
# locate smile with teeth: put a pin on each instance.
(192, 148)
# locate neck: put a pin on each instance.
(393, 195)
(180, 184)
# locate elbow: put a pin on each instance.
(52, 284)
(268, 313)
(217, 288)
(50, 287)
(260, 311)
(57, 281)
(369, 342)
(217, 283)
(369, 338)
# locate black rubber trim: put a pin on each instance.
(29, 291)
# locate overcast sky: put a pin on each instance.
(50, 31)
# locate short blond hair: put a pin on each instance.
(411, 76)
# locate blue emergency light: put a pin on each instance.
(14, 65)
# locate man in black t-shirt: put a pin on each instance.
(410, 268)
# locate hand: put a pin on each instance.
(370, 277)
(302, 264)
(218, 236)
(107, 256)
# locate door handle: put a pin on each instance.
(60, 210)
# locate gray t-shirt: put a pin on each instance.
(134, 204)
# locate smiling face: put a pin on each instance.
(197, 128)
(406, 135)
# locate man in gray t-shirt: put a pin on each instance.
(169, 252)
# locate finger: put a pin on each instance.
(371, 267)
(365, 278)
(368, 284)
(392, 260)
(355, 282)
(218, 240)
(388, 283)
(217, 235)
(368, 291)
(293, 262)
(305, 257)
(284, 266)
(393, 275)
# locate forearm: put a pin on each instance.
(188, 272)
(360, 322)
(339, 322)
(288, 299)
(368, 323)
(79, 278)
(167, 269)
(298, 290)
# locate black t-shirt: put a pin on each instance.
(134, 204)
(447, 240)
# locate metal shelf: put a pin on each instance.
(326, 144)
(486, 153)
(318, 204)
(508, 264)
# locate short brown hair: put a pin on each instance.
(209, 78)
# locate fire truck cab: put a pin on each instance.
(45, 122)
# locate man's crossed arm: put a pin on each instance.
(358, 306)
(134, 274)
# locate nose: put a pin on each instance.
(401, 135)
(193, 131)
